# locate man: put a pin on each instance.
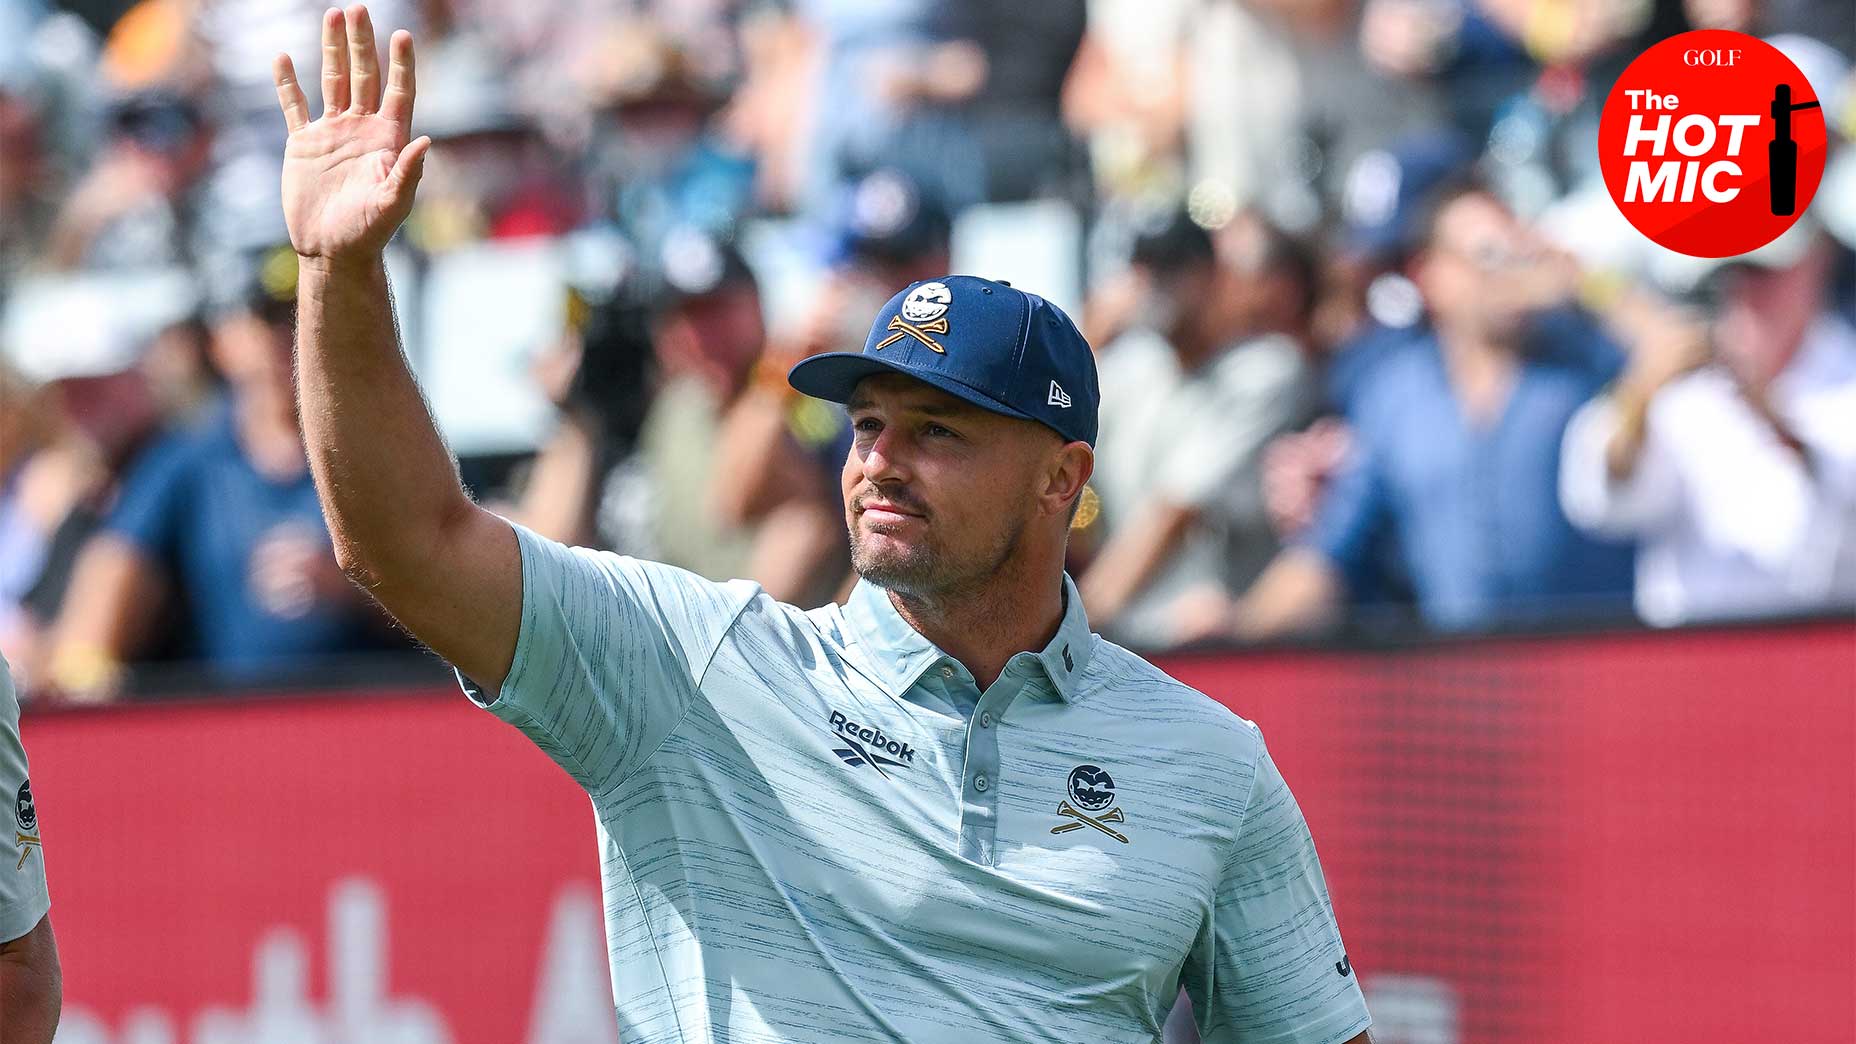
(218, 529)
(1194, 393)
(941, 812)
(31, 993)
(1455, 449)
(1739, 478)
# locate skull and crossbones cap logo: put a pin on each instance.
(981, 340)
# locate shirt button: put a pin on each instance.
(986, 719)
(979, 782)
(947, 671)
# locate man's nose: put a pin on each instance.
(885, 458)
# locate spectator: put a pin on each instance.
(682, 496)
(131, 210)
(490, 175)
(1368, 302)
(101, 361)
(1730, 454)
(1010, 132)
(962, 96)
(660, 158)
(1190, 396)
(886, 234)
(29, 177)
(218, 535)
(1455, 448)
(54, 493)
(1343, 106)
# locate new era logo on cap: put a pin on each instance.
(987, 342)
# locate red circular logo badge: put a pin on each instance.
(1712, 143)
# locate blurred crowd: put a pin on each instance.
(1377, 352)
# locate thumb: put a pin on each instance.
(408, 168)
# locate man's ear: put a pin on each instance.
(1069, 471)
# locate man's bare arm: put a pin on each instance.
(402, 525)
(1300, 592)
(116, 593)
(31, 986)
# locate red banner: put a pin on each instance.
(1631, 838)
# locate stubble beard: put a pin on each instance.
(927, 573)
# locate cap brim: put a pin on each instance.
(835, 375)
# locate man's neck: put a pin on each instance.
(986, 627)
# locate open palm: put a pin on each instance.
(349, 176)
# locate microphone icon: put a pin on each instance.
(1782, 151)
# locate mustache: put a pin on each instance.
(900, 498)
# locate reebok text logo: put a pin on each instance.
(865, 745)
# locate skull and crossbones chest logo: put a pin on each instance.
(1090, 802)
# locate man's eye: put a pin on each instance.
(938, 431)
(868, 424)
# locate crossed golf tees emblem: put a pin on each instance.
(1091, 793)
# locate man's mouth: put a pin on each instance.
(886, 510)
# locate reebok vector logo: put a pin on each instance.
(865, 745)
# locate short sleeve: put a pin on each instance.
(1274, 970)
(154, 498)
(611, 652)
(24, 897)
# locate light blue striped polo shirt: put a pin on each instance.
(814, 827)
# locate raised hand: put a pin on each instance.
(349, 176)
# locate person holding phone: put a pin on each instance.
(1726, 449)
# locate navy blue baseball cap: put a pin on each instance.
(989, 343)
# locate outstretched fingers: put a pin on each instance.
(289, 93)
(363, 61)
(397, 105)
(334, 62)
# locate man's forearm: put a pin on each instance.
(1133, 556)
(388, 483)
(1300, 592)
(1625, 447)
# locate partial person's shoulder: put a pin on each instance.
(1700, 398)
(1137, 352)
(1121, 682)
(1382, 365)
(1270, 360)
(189, 443)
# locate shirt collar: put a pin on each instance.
(898, 654)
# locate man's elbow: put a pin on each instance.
(378, 563)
